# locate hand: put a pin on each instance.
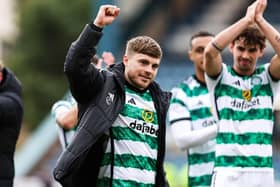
(106, 15)
(108, 58)
(250, 14)
(99, 63)
(261, 6)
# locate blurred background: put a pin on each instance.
(35, 36)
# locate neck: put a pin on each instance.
(200, 76)
(243, 73)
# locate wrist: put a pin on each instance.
(247, 21)
(95, 27)
(98, 24)
(259, 20)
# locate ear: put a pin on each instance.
(190, 55)
(231, 46)
(125, 59)
(261, 52)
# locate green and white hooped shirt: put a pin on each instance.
(243, 105)
(190, 105)
(135, 133)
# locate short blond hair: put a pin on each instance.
(144, 45)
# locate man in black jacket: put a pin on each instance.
(120, 140)
(11, 112)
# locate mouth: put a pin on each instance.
(244, 62)
(145, 78)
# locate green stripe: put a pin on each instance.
(244, 139)
(146, 96)
(122, 133)
(136, 113)
(204, 180)
(105, 182)
(257, 90)
(130, 161)
(200, 113)
(178, 101)
(196, 91)
(252, 114)
(201, 158)
(259, 70)
(244, 161)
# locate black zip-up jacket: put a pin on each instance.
(11, 112)
(101, 97)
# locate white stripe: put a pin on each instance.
(140, 103)
(177, 111)
(124, 121)
(201, 169)
(178, 93)
(243, 150)
(229, 79)
(228, 102)
(205, 148)
(134, 148)
(141, 176)
(246, 126)
(247, 169)
(192, 102)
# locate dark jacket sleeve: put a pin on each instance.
(84, 79)
(11, 113)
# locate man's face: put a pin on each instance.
(140, 69)
(245, 57)
(196, 53)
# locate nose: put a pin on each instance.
(149, 69)
(245, 55)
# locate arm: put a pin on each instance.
(212, 54)
(272, 35)
(185, 138)
(11, 106)
(85, 80)
(68, 119)
(66, 115)
(181, 124)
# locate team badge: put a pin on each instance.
(256, 80)
(147, 116)
(247, 94)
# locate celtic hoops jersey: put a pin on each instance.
(243, 105)
(135, 144)
(190, 106)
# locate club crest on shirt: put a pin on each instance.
(148, 116)
(256, 80)
(247, 94)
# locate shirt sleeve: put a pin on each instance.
(181, 127)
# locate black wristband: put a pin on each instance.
(216, 46)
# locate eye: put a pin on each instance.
(242, 49)
(155, 66)
(144, 62)
(199, 50)
(252, 50)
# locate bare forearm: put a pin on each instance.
(212, 58)
(272, 35)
